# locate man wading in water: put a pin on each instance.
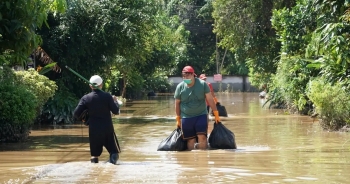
(191, 111)
(101, 131)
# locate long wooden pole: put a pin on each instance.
(82, 77)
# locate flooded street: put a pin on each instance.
(273, 147)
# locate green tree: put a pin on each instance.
(315, 44)
(19, 20)
(294, 28)
(245, 29)
(329, 44)
(195, 16)
(97, 37)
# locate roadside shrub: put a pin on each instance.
(17, 112)
(274, 100)
(157, 82)
(332, 103)
(5, 57)
(59, 109)
(39, 85)
(6, 75)
(291, 80)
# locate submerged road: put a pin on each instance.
(273, 147)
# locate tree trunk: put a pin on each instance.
(223, 58)
(124, 86)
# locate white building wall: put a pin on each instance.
(228, 83)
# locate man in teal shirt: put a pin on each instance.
(191, 111)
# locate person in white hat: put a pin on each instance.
(99, 104)
(96, 80)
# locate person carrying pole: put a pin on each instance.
(100, 104)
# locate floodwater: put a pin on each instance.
(273, 147)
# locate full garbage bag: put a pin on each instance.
(221, 137)
(174, 142)
(221, 109)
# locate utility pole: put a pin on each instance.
(217, 54)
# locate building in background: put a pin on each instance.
(228, 83)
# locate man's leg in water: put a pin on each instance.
(202, 142)
(188, 131)
(111, 146)
(201, 131)
(190, 143)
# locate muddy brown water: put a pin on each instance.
(273, 147)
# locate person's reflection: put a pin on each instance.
(195, 166)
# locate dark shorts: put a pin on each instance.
(98, 140)
(191, 127)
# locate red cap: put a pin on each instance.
(188, 69)
(202, 76)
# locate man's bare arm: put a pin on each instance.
(177, 107)
(211, 102)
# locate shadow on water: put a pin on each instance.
(49, 137)
(44, 142)
(273, 147)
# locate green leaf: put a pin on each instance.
(314, 65)
(47, 68)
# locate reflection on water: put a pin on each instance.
(272, 148)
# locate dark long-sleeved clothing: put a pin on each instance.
(100, 105)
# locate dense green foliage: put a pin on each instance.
(126, 38)
(19, 20)
(59, 109)
(23, 93)
(287, 44)
(17, 108)
(244, 27)
(291, 46)
(314, 37)
(158, 82)
(17, 104)
(331, 101)
(203, 51)
(39, 85)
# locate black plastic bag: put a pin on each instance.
(174, 142)
(84, 117)
(222, 138)
(221, 109)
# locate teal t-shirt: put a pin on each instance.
(192, 99)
